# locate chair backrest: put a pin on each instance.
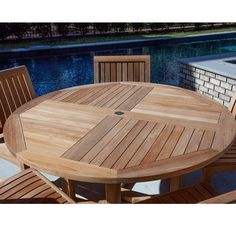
(232, 105)
(15, 90)
(121, 68)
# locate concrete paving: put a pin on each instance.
(223, 182)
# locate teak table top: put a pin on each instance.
(160, 132)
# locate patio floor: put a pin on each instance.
(223, 182)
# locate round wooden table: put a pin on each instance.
(115, 133)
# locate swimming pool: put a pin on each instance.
(50, 73)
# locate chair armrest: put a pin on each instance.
(229, 197)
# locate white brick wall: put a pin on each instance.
(215, 81)
(215, 86)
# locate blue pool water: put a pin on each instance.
(50, 73)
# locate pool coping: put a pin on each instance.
(86, 47)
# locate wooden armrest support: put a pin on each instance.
(229, 197)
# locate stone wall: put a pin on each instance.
(215, 86)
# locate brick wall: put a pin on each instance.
(215, 86)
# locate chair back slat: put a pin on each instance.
(15, 90)
(121, 68)
(232, 105)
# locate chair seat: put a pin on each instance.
(189, 195)
(30, 186)
(223, 162)
(227, 159)
(6, 155)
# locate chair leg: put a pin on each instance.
(207, 172)
(68, 187)
(175, 183)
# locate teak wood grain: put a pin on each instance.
(30, 186)
(121, 68)
(120, 133)
(201, 193)
(227, 161)
(15, 90)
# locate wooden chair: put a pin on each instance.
(201, 193)
(121, 68)
(227, 161)
(15, 90)
(30, 186)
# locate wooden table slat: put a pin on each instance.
(134, 99)
(105, 152)
(159, 144)
(121, 147)
(94, 151)
(99, 99)
(86, 143)
(133, 147)
(207, 140)
(146, 145)
(195, 141)
(171, 143)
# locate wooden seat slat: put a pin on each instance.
(20, 189)
(203, 191)
(17, 180)
(30, 186)
(190, 195)
(38, 187)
